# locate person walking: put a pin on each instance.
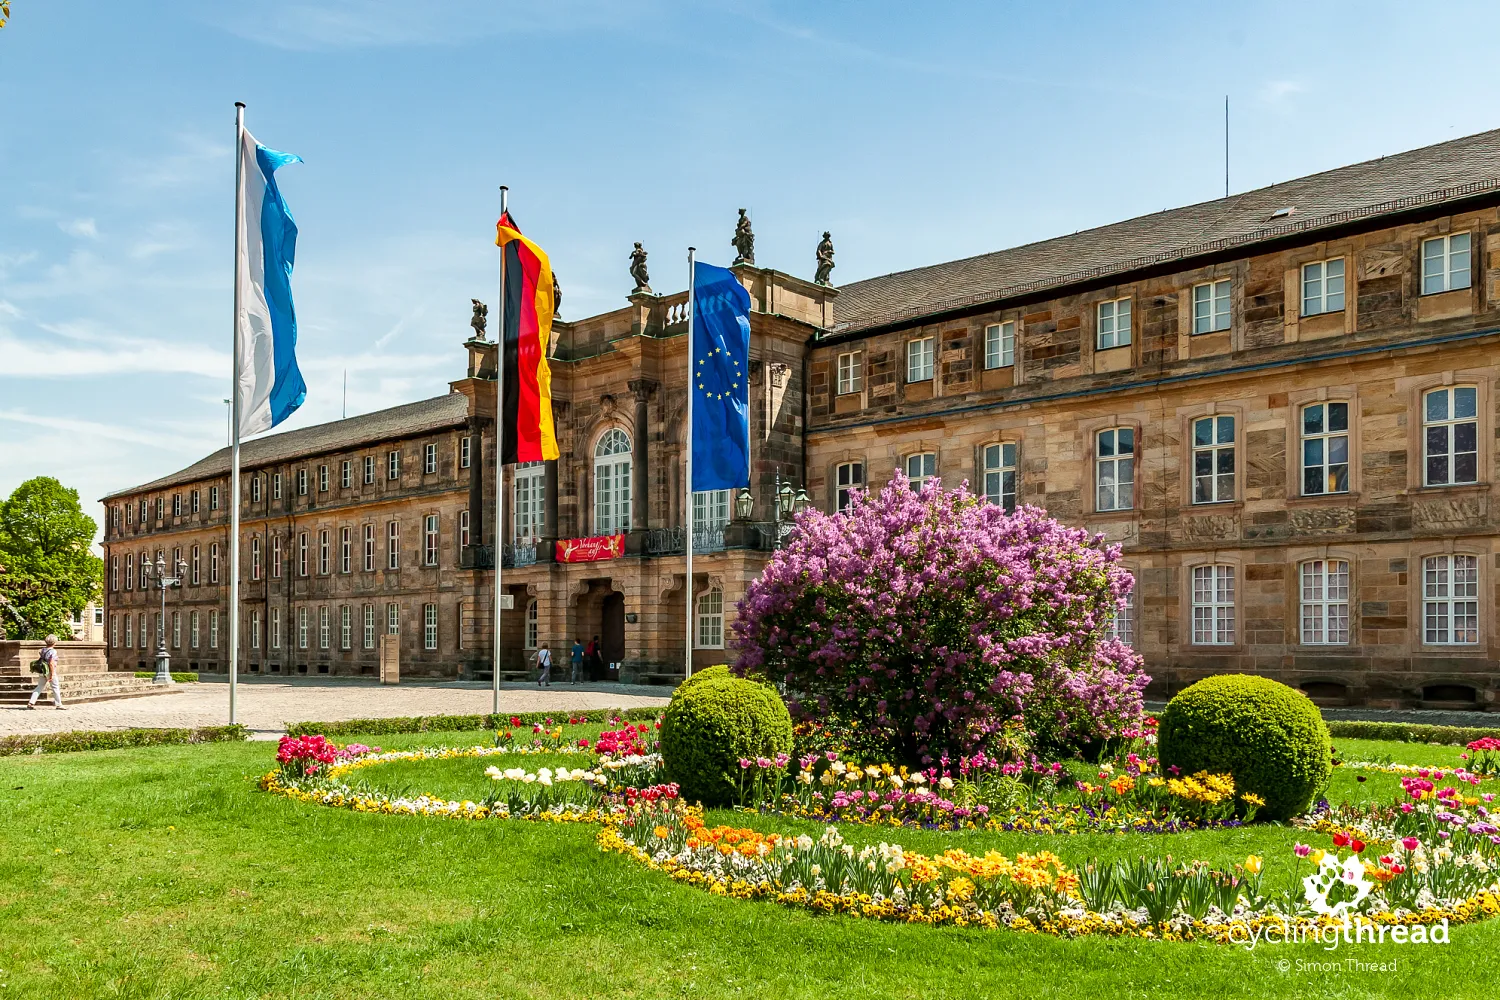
(593, 659)
(51, 677)
(576, 656)
(543, 659)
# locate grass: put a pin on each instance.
(161, 873)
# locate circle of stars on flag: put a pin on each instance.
(738, 374)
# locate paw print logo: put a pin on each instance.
(1345, 881)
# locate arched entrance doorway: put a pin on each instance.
(612, 631)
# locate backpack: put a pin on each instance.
(42, 663)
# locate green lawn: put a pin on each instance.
(162, 872)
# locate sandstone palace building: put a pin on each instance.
(1284, 405)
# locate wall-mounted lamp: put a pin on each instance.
(632, 617)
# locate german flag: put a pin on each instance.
(529, 434)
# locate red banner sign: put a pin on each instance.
(571, 550)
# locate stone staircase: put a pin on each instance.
(85, 674)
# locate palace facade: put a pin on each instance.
(1282, 405)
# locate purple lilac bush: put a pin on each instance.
(935, 619)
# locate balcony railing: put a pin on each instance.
(671, 541)
(522, 553)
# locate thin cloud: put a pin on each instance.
(1279, 91)
(83, 229)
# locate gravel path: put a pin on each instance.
(268, 707)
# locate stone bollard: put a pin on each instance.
(390, 659)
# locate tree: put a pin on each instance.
(47, 571)
(933, 620)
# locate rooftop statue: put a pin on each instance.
(638, 271)
(744, 240)
(825, 259)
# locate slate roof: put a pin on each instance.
(1448, 171)
(382, 425)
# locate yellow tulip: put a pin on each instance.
(1252, 864)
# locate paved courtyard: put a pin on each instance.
(267, 707)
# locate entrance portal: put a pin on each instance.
(612, 632)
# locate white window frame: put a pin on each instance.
(429, 459)
(302, 553)
(346, 549)
(1447, 263)
(850, 375)
(1450, 600)
(176, 504)
(1450, 425)
(129, 631)
(612, 471)
(393, 465)
(114, 631)
(302, 629)
(275, 628)
(1114, 324)
(369, 463)
(1323, 286)
(324, 562)
(255, 629)
(193, 629)
(194, 565)
(429, 626)
(465, 451)
(529, 502)
(920, 356)
(193, 501)
(463, 529)
(393, 545)
(323, 478)
(430, 527)
(255, 488)
(1323, 588)
(392, 618)
(369, 623)
(710, 510)
(346, 474)
(346, 627)
(849, 478)
(213, 628)
(325, 627)
(533, 623)
(213, 562)
(710, 630)
(1000, 345)
(919, 467)
(1320, 475)
(276, 559)
(1000, 475)
(177, 630)
(1122, 622)
(276, 486)
(1215, 485)
(255, 557)
(369, 553)
(1212, 306)
(302, 482)
(1111, 490)
(1212, 598)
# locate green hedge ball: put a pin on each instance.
(1270, 737)
(714, 722)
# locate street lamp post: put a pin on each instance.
(158, 572)
(786, 503)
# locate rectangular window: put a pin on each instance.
(1114, 324)
(275, 628)
(710, 510)
(1000, 474)
(711, 620)
(302, 482)
(255, 557)
(393, 619)
(192, 630)
(369, 548)
(176, 504)
(275, 486)
(369, 620)
(919, 355)
(430, 540)
(213, 628)
(193, 501)
(849, 373)
(276, 557)
(393, 545)
(114, 573)
(393, 465)
(429, 459)
(530, 501)
(1213, 605)
(1323, 287)
(1114, 469)
(302, 553)
(1211, 307)
(158, 508)
(114, 631)
(129, 631)
(369, 469)
(920, 468)
(324, 631)
(1325, 602)
(346, 549)
(1325, 448)
(464, 444)
(531, 624)
(1450, 436)
(1213, 459)
(1000, 345)
(429, 626)
(850, 479)
(213, 563)
(323, 552)
(1450, 600)
(346, 474)
(255, 489)
(1445, 263)
(346, 627)
(193, 566)
(301, 628)
(463, 529)
(322, 479)
(255, 629)
(177, 630)
(213, 498)
(1122, 622)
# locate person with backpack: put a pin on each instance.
(543, 659)
(46, 666)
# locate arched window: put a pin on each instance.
(612, 483)
(531, 623)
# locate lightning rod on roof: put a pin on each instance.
(1226, 145)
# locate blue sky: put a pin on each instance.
(915, 132)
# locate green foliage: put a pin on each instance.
(47, 572)
(706, 674)
(1269, 736)
(34, 743)
(1410, 732)
(708, 728)
(462, 723)
(181, 676)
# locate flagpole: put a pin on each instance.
(234, 395)
(688, 455)
(499, 464)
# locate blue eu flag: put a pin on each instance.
(721, 380)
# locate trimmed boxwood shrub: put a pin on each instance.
(1269, 736)
(116, 739)
(706, 674)
(714, 723)
(1410, 732)
(463, 723)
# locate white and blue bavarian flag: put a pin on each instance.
(270, 385)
